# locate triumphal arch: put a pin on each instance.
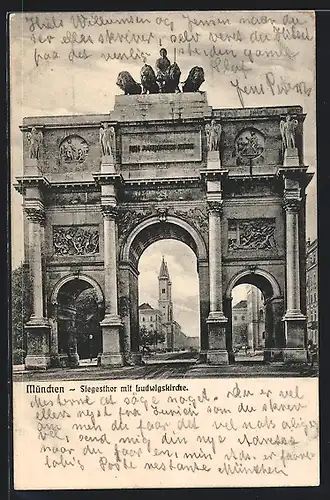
(99, 189)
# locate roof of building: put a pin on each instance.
(240, 305)
(145, 305)
(163, 272)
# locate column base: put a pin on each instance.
(217, 357)
(38, 344)
(295, 325)
(291, 157)
(112, 359)
(135, 358)
(295, 355)
(273, 355)
(112, 354)
(37, 362)
(217, 327)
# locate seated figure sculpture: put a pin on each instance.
(168, 75)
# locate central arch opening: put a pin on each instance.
(178, 304)
(169, 324)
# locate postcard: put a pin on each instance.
(164, 249)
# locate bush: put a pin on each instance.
(18, 356)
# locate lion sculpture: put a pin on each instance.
(194, 80)
(126, 82)
(148, 80)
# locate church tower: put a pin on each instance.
(165, 304)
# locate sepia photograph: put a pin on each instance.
(163, 200)
(164, 236)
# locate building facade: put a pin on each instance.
(230, 183)
(255, 319)
(151, 322)
(312, 291)
(239, 324)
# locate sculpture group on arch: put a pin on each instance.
(166, 79)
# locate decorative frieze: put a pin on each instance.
(251, 234)
(196, 216)
(129, 218)
(75, 240)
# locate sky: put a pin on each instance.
(67, 63)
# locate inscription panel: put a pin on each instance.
(161, 147)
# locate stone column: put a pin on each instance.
(294, 320)
(38, 327)
(217, 322)
(112, 349)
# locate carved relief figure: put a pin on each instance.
(249, 144)
(256, 234)
(75, 240)
(213, 134)
(73, 149)
(194, 80)
(34, 139)
(126, 82)
(288, 132)
(107, 140)
(148, 80)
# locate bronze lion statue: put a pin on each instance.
(126, 82)
(194, 80)
(148, 80)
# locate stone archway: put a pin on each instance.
(64, 319)
(274, 309)
(143, 235)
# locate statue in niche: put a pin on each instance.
(107, 140)
(194, 80)
(213, 135)
(126, 82)
(288, 132)
(167, 74)
(148, 80)
(34, 139)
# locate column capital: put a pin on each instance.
(109, 211)
(215, 207)
(291, 204)
(35, 215)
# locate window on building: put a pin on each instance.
(151, 326)
(163, 290)
(143, 319)
(243, 318)
(235, 318)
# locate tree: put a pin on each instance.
(21, 309)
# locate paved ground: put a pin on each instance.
(168, 366)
